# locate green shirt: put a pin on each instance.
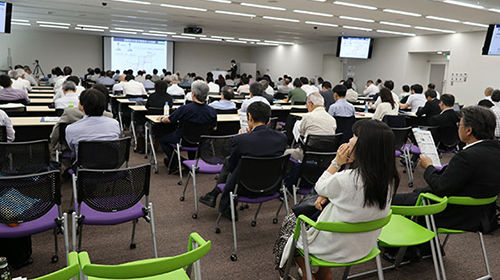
(297, 94)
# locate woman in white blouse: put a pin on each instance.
(388, 105)
(356, 195)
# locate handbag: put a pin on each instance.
(306, 206)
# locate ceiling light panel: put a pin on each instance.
(357, 28)
(129, 29)
(395, 24)
(443, 19)
(235, 14)
(263, 6)
(322, 23)
(183, 37)
(92, 26)
(183, 7)
(20, 23)
(434, 29)
(54, 26)
(464, 4)
(123, 32)
(396, 33)
(52, 23)
(402, 13)
(281, 19)
(355, 5)
(134, 2)
(357, 19)
(476, 24)
(312, 13)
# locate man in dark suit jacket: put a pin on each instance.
(261, 141)
(430, 109)
(447, 121)
(471, 172)
(327, 94)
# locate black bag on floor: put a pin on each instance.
(16, 250)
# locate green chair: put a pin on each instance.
(310, 260)
(66, 273)
(168, 268)
(403, 232)
(469, 201)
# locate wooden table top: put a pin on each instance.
(30, 121)
(220, 118)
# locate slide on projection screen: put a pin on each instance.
(138, 54)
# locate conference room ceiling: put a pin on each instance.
(150, 18)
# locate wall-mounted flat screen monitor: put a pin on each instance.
(354, 47)
(492, 41)
(5, 17)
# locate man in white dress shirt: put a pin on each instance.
(132, 87)
(70, 98)
(370, 89)
(79, 89)
(18, 82)
(307, 87)
(175, 90)
(27, 75)
(140, 77)
(119, 86)
(67, 71)
(415, 100)
(213, 87)
(389, 85)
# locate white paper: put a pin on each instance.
(426, 145)
(295, 130)
(20, 278)
(243, 122)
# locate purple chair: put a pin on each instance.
(63, 145)
(211, 154)
(31, 204)
(190, 139)
(403, 149)
(110, 197)
(21, 158)
(257, 189)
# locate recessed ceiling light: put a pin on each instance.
(322, 23)
(402, 13)
(319, 0)
(193, 35)
(220, 1)
(236, 41)
(54, 23)
(88, 29)
(20, 23)
(357, 19)
(183, 7)
(162, 32)
(122, 32)
(494, 10)
(20, 20)
(223, 37)
(434, 29)
(263, 6)
(396, 33)
(440, 52)
(155, 34)
(211, 39)
(476, 24)
(281, 19)
(278, 42)
(312, 13)
(54, 26)
(235, 14)
(129, 29)
(357, 28)
(443, 19)
(92, 26)
(395, 24)
(183, 37)
(468, 5)
(269, 44)
(134, 2)
(250, 40)
(355, 5)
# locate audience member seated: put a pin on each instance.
(355, 194)
(307, 87)
(268, 92)
(69, 99)
(472, 172)
(132, 87)
(148, 83)
(487, 93)
(140, 77)
(316, 122)
(195, 112)
(486, 103)
(221, 81)
(285, 87)
(116, 75)
(175, 90)
(260, 141)
(225, 102)
(351, 95)
(245, 87)
(160, 96)
(390, 86)
(18, 82)
(229, 81)
(213, 87)
(495, 98)
(67, 71)
(387, 105)
(341, 108)
(28, 76)
(297, 93)
(79, 89)
(255, 95)
(415, 100)
(119, 86)
(404, 95)
(432, 86)
(107, 79)
(431, 108)
(327, 93)
(11, 95)
(94, 126)
(57, 74)
(5, 121)
(370, 89)
(448, 118)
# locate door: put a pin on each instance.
(332, 69)
(437, 75)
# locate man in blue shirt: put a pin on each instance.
(224, 103)
(196, 112)
(341, 108)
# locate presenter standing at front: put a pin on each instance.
(233, 69)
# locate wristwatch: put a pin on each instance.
(335, 164)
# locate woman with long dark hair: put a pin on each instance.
(388, 105)
(360, 194)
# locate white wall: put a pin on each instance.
(51, 49)
(205, 57)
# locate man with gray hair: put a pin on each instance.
(18, 81)
(70, 98)
(28, 76)
(175, 90)
(195, 112)
(316, 122)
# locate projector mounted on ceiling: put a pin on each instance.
(193, 30)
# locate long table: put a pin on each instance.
(31, 128)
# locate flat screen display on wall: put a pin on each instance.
(492, 41)
(5, 17)
(354, 47)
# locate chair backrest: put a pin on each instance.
(419, 209)
(24, 157)
(25, 198)
(344, 125)
(103, 154)
(62, 134)
(272, 123)
(470, 201)
(271, 173)
(191, 132)
(72, 270)
(224, 112)
(113, 189)
(14, 112)
(3, 133)
(314, 164)
(59, 112)
(155, 111)
(448, 136)
(299, 103)
(149, 267)
(394, 121)
(298, 110)
(322, 143)
(214, 149)
(401, 135)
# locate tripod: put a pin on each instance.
(38, 69)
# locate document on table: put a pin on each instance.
(426, 144)
(295, 130)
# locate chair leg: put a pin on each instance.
(180, 165)
(234, 256)
(132, 127)
(146, 138)
(132, 243)
(193, 171)
(399, 257)
(254, 222)
(346, 273)
(183, 196)
(65, 235)
(380, 271)
(433, 248)
(152, 224)
(485, 256)
(217, 228)
(285, 198)
(438, 245)
(153, 152)
(55, 257)
(80, 231)
(445, 240)
(290, 260)
(294, 188)
(73, 231)
(303, 234)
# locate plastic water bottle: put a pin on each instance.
(71, 104)
(366, 107)
(166, 109)
(4, 269)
